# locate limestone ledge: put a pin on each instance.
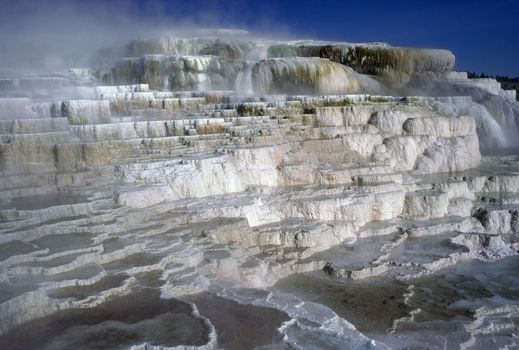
(216, 191)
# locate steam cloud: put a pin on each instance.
(56, 34)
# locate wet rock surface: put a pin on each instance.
(240, 326)
(139, 318)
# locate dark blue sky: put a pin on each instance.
(483, 34)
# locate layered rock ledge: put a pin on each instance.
(282, 191)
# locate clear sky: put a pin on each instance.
(483, 34)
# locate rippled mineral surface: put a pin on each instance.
(199, 193)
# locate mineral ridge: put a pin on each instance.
(215, 193)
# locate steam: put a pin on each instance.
(490, 132)
(52, 35)
(243, 83)
(497, 116)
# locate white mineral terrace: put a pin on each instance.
(195, 196)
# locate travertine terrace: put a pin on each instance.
(335, 193)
